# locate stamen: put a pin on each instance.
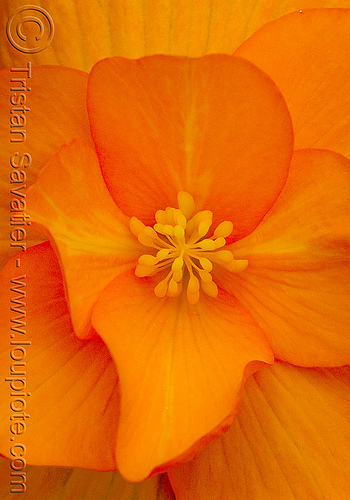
(160, 217)
(210, 288)
(183, 250)
(177, 264)
(173, 287)
(136, 226)
(148, 260)
(186, 203)
(224, 229)
(205, 276)
(179, 232)
(161, 289)
(207, 244)
(163, 253)
(206, 264)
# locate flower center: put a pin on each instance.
(181, 249)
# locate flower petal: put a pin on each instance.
(92, 236)
(290, 440)
(67, 387)
(86, 27)
(134, 29)
(215, 127)
(306, 55)
(181, 369)
(57, 483)
(297, 283)
(56, 113)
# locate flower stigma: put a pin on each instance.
(181, 248)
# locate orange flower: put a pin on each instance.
(212, 139)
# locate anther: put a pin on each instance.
(183, 250)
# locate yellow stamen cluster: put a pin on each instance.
(180, 245)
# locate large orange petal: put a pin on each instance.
(306, 55)
(297, 283)
(134, 29)
(92, 236)
(58, 483)
(291, 440)
(67, 387)
(214, 126)
(180, 27)
(181, 369)
(55, 113)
